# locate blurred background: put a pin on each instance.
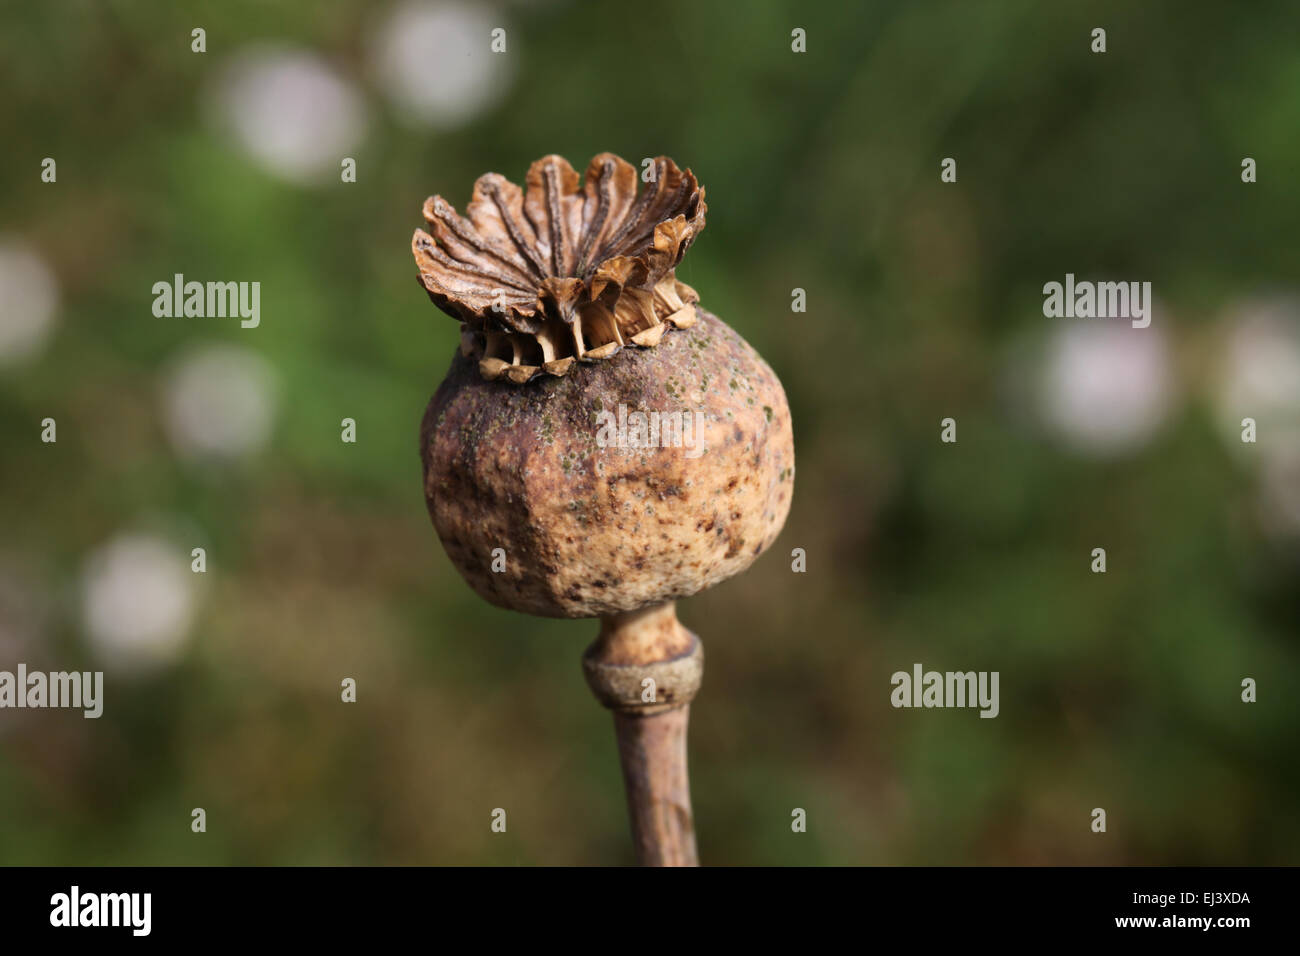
(924, 301)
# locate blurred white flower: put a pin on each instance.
(138, 602)
(1105, 386)
(290, 111)
(435, 61)
(29, 299)
(1260, 377)
(220, 403)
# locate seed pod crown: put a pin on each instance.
(563, 271)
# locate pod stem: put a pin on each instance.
(646, 668)
(653, 753)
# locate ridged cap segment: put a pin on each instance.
(561, 270)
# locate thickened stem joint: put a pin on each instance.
(646, 668)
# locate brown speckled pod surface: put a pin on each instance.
(594, 528)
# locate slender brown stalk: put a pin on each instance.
(646, 668)
(653, 753)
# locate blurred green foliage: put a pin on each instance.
(822, 169)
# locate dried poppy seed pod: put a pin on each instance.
(622, 447)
